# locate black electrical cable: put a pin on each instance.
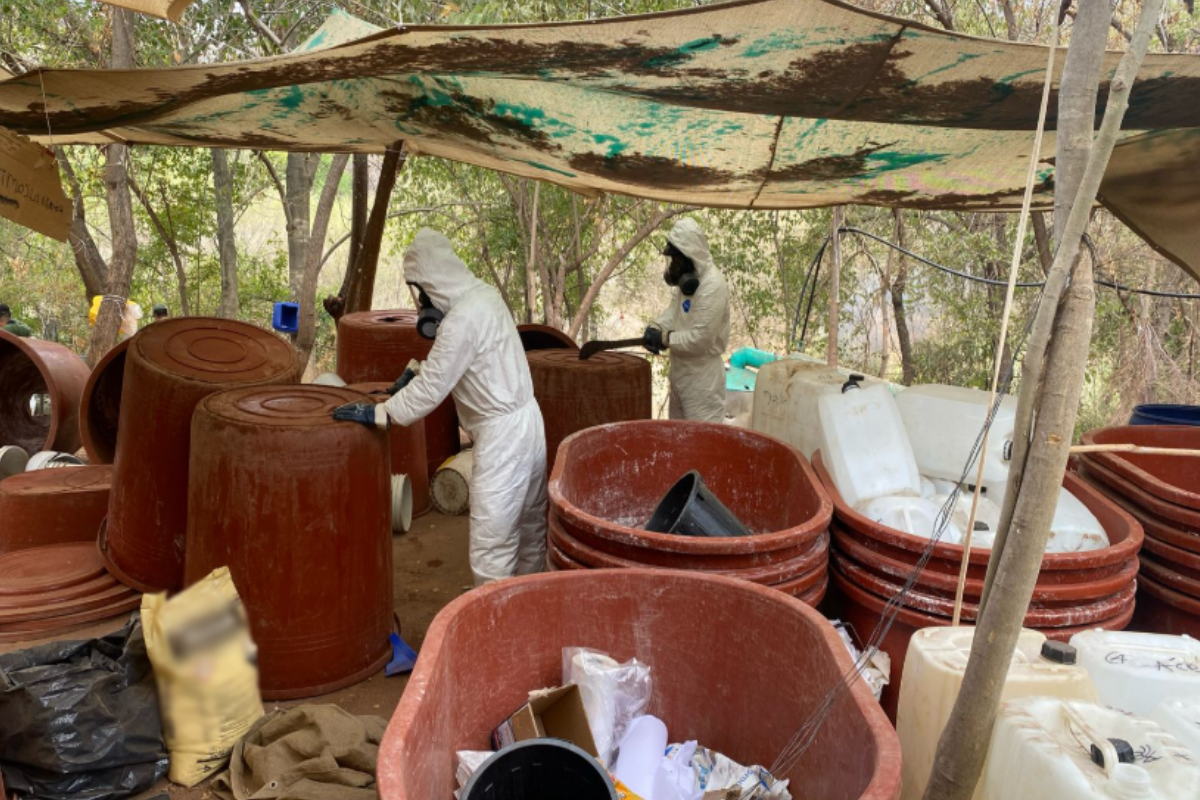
(935, 265)
(804, 287)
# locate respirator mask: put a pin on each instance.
(428, 316)
(680, 271)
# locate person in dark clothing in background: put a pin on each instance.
(13, 326)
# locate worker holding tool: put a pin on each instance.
(695, 327)
(478, 358)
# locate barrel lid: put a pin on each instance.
(88, 588)
(405, 317)
(569, 359)
(281, 406)
(59, 481)
(215, 350)
(36, 607)
(49, 567)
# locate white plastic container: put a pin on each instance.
(1180, 717)
(864, 445)
(933, 674)
(785, 399)
(914, 515)
(987, 517)
(1042, 750)
(1074, 529)
(943, 423)
(1135, 672)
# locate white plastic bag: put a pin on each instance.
(613, 694)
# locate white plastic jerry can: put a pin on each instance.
(1048, 748)
(785, 400)
(1180, 717)
(914, 515)
(864, 445)
(943, 423)
(933, 673)
(1135, 672)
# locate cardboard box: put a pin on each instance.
(550, 713)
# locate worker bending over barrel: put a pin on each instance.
(695, 327)
(478, 358)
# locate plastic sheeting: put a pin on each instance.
(750, 104)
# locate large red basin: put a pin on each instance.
(1175, 479)
(608, 479)
(490, 647)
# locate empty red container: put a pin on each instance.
(1175, 479)
(575, 395)
(298, 506)
(408, 449)
(377, 346)
(171, 366)
(690, 628)
(544, 337)
(50, 506)
(608, 479)
(1112, 484)
(31, 367)
(100, 406)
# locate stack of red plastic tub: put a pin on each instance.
(1075, 592)
(608, 479)
(1163, 493)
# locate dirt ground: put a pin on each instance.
(431, 569)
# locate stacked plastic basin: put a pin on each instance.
(608, 479)
(870, 563)
(1163, 493)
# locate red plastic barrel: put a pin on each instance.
(544, 337)
(171, 366)
(50, 506)
(100, 406)
(575, 395)
(408, 450)
(377, 346)
(297, 505)
(31, 367)
(692, 629)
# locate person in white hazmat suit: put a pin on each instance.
(694, 328)
(477, 357)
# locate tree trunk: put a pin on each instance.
(299, 188)
(120, 211)
(91, 265)
(531, 263)
(964, 742)
(306, 336)
(908, 366)
(835, 287)
(359, 286)
(169, 241)
(1041, 237)
(230, 305)
(360, 185)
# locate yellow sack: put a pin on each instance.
(205, 665)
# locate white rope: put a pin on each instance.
(1010, 290)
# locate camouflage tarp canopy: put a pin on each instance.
(750, 104)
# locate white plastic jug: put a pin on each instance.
(1074, 529)
(1042, 750)
(785, 399)
(864, 446)
(933, 673)
(943, 423)
(914, 515)
(1180, 717)
(987, 517)
(1136, 671)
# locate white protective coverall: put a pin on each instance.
(477, 357)
(698, 328)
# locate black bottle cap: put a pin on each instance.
(1059, 652)
(1124, 753)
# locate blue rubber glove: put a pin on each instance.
(411, 371)
(654, 339)
(369, 414)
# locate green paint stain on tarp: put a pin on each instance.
(548, 168)
(962, 59)
(892, 160)
(536, 119)
(684, 52)
(615, 145)
(316, 41)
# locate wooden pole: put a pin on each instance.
(835, 286)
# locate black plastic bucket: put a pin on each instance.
(689, 508)
(540, 769)
(1165, 414)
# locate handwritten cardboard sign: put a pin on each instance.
(31, 192)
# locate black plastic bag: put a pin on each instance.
(79, 720)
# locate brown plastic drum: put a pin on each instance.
(100, 406)
(31, 367)
(408, 449)
(1175, 479)
(298, 506)
(49, 506)
(575, 395)
(171, 366)
(1124, 535)
(1164, 610)
(608, 479)
(377, 346)
(544, 337)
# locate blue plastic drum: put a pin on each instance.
(1165, 414)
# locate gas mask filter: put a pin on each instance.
(680, 271)
(428, 317)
